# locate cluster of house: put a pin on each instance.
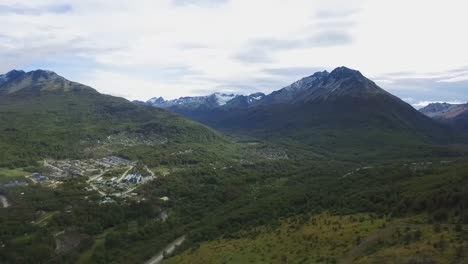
(113, 161)
(134, 178)
(77, 168)
(63, 169)
(113, 186)
(272, 154)
(39, 177)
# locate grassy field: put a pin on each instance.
(418, 243)
(7, 175)
(327, 238)
(296, 240)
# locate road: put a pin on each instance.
(4, 201)
(97, 189)
(124, 174)
(150, 171)
(94, 178)
(158, 258)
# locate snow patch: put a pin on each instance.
(154, 100)
(223, 99)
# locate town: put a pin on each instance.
(112, 177)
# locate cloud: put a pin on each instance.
(334, 13)
(191, 46)
(173, 48)
(293, 71)
(263, 50)
(245, 86)
(19, 9)
(444, 86)
(203, 3)
(320, 39)
(254, 55)
(454, 79)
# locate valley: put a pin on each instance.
(330, 169)
(233, 132)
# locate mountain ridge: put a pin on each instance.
(211, 101)
(37, 81)
(320, 85)
(45, 115)
(341, 111)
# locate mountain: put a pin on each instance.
(36, 81)
(455, 114)
(438, 109)
(45, 115)
(294, 91)
(341, 111)
(215, 100)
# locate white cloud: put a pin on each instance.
(128, 46)
(458, 78)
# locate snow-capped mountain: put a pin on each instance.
(215, 100)
(156, 101)
(341, 82)
(223, 99)
(322, 103)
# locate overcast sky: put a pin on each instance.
(138, 49)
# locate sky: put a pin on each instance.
(139, 49)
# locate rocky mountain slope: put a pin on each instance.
(454, 114)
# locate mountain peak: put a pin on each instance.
(344, 72)
(14, 72)
(36, 81)
(43, 75)
(341, 82)
(443, 110)
(437, 106)
(156, 100)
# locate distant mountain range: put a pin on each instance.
(341, 109)
(46, 115)
(319, 86)
(455, 114)
(215, 100)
